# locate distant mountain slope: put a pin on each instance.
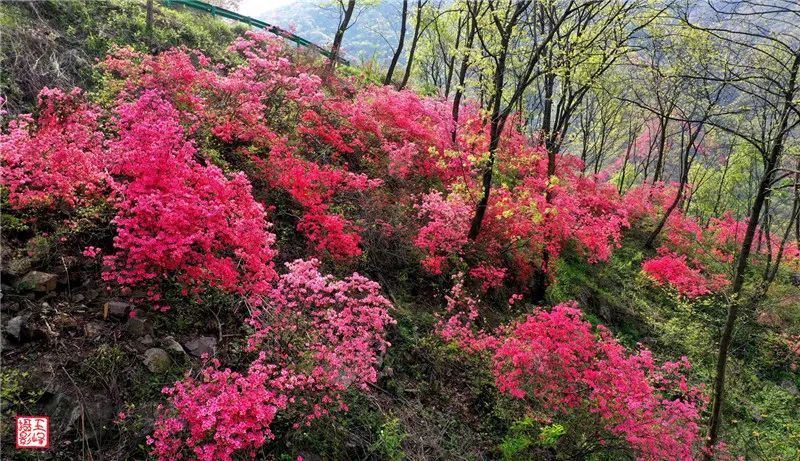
(374, 33)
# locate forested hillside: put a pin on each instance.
(547, 230)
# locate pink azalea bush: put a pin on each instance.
(445, 233)
(56, 158)
(314, 337)
(219, 414)
(671, 269)
(178, 218)
(190, 155)
(554, 363)
(342, 324)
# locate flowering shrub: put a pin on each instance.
(672, 269)
(530, 217)
(231, 105)
(220, 414)
(178, 218)
(56, 158)
(314, 338)
(645, 200)
(461, 324)
(342, 324)
(488, 276)
(411, 132)
(554, 363)
(314, 186)
(446, 230)
(792, 253)
(191, 154)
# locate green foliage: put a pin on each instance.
(8, 222)
(522, 437)
(611, 293)
(549, 435)
(518, 440)
(104, 363)
(16, 397)
(390, 440)
(11, 223)
(727, 186)
(763, 422)
(368, 72)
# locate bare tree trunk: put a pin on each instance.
(462, 76)
(764, 190)
(771, 270)
(343, 25)
(686, 164)
(718, 198)
(399, 50)
(628, 149)
(497, 123)
(539, 281)
(451, 63)
(413, 49)
(662, 143)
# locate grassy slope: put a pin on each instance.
(56, 43)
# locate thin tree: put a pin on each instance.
(472, 30)
(693, 125)
(764, 70)
(399, 50)
(583, 50)
(504, 18)
(345, 15)
(419, 28)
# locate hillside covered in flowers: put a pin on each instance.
(261, 257)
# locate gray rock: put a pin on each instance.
(19, 330)
(92, 329)
(755, 413)
(88, 420)
(157, 360)
(16, 327)
(18, 266)
(5, 250)
(202, 345)
(116, 309)
(91, 295)
(790, 387)
(146, 340)
(42, 282)
(171, 345)
(9, 306)
(137, 327)
(62, 410)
